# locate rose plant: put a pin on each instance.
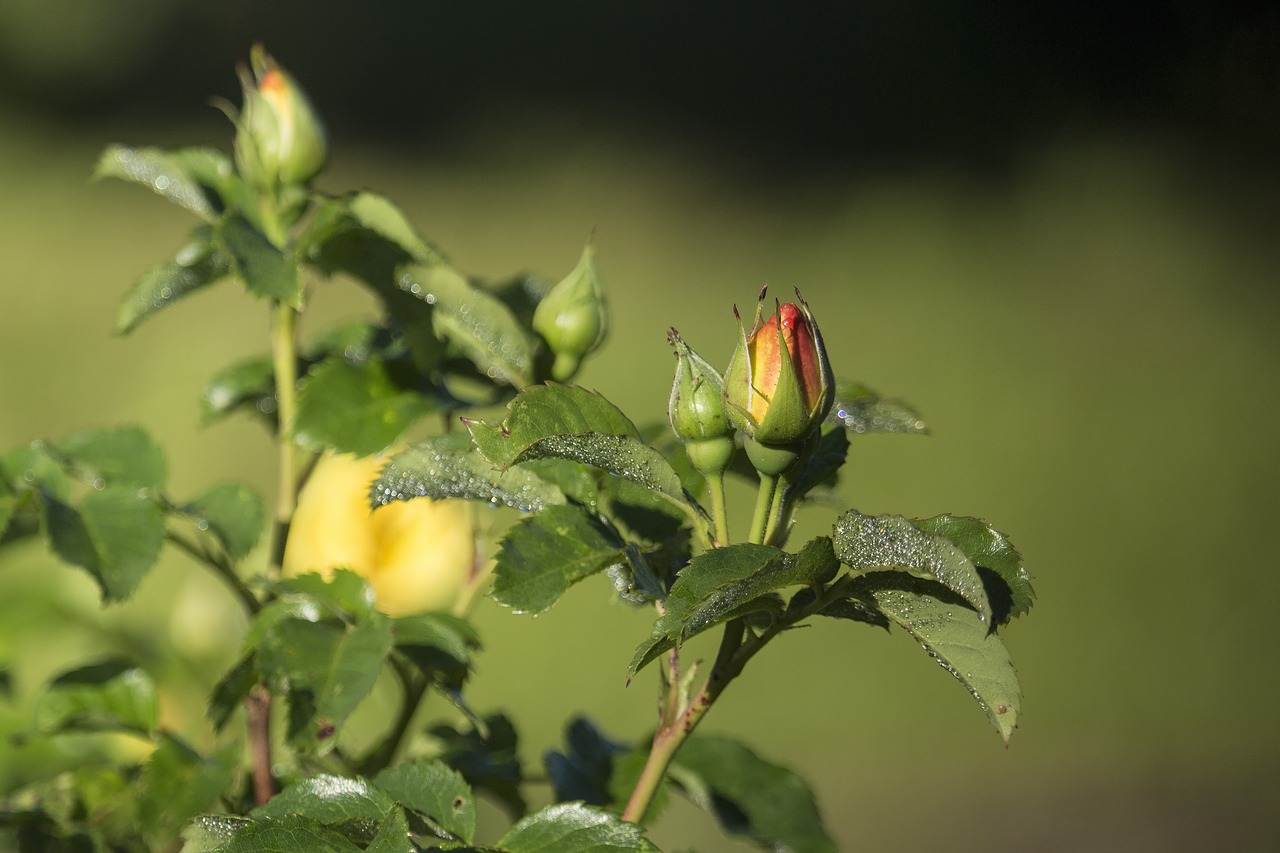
(372, 563)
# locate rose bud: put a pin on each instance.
(416, 555)
(572, 318)
(696, 409)
(779, 385)
(279, 138)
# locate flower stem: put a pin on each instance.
(284, 360)
(222, 567)
(715, 483)
(764, 507)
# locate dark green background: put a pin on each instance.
(1053, 231)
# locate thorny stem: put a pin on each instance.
(737, 647)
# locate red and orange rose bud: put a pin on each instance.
(416, 555)
(696, 409)
(280, 139)
(779, 386)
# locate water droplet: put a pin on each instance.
(202, 524)
(162, 182)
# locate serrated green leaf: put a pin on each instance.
(545, 554)
(434, 790)
(472, 320)
(724, 583)
(584, 769)
(328, 667)
(113, 695)
(336, 801)
(990, 550)
(574, 828)
(859, 409)
(568, 422)
(288, 834)
(244, 384)
(114, 534)
(194, 267)
(234, 513)
(176, 784)
(392, 835)
(954, 636)
(488, 759)
(210, 833)
(749, 796)
(354, 408)
(119, 456)
(230, 691)
(265, 270)
(890, 542)
(343, 593)
(199, 179)
(34, 468)
(448, 466)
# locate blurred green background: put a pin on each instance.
(1053, 231)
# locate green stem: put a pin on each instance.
(777, 513)
(764, 507)
(221, 566)
(669, 736)
(284, 361)
(414, 688)
(715, 483)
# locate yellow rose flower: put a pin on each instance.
(415, 554)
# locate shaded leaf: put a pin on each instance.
(851, 609)
(954, 636)
(392, 835)
(265, 269)
(114, 534)
(568, 422)
(545, 554)
(230, 691)
(434, 790)
(354, 408)
(234, 513)
(583, 770)
(987, 548)
(724, 583)
(120, 456)
(749, 796)
(488, 760)
(859, 409)
(439, 644)
(176, 784)
(890, 542)
(199, 179)
(113, 695)
(195, 266)
(34, 468)
(449, 466)
(573, 828)
(822, 466)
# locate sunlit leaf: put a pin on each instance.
(118, 456)
(199, 179)
(434, 790)
(956, 638)
(991, 551)
(195, 266)
(338, 801)
(574, 828)
(248, 383)
(867, 543)
(449, 466)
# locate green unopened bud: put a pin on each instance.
(696, 409)
(279, 138)
(572, 318)
(779, 385)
